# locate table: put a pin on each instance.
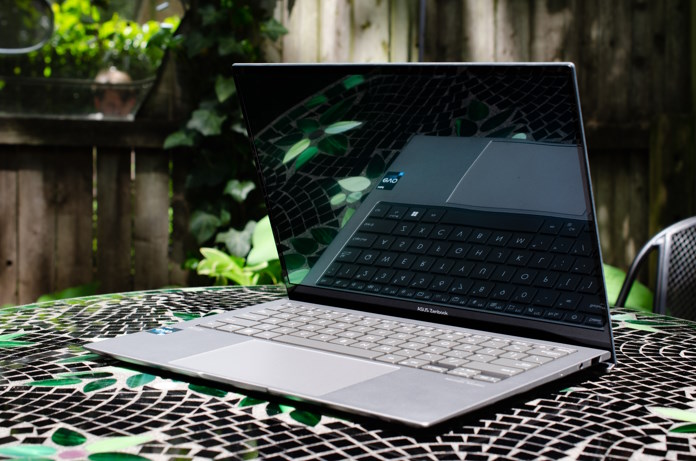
(59, 401)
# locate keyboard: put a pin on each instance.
(480, 357)
(544, 269)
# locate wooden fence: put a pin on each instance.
(50, 172)
(634, 62)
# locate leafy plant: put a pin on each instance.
(261, 266)
(221, 185)
(88, 39)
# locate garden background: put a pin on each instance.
(118, 205)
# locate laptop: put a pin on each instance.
(437, 236)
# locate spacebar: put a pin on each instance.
(329, 347)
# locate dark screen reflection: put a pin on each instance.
(459, 186)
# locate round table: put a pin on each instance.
(58, 401)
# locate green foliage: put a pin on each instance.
(221, 185)
(87, 39)
(640, 296)
(260, 267)
(72, 292)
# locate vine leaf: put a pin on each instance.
(181, 138)
(354, 197)
(109, 445)
(334, 145)
(686, 416)
(27, 451)
(338, 199)
(273, 29)
(224, 88)
(250, 401)
(324, 235)
(336, 112)
(206, 122)
(230, 45)
(239, 190)
(294, 261)
(316, 101)
(685, 429)
(298, 276)
(238, 243)
(306, 156)
(139, 380)
(347, 216)
(296, 149)
(477, 110)
(355, 183)
(308, 125)
(305, 246)
(352, 81)
(67, 438)
(340, 127)
(263, 247)
(203, 225)
(55, 382)
(99, 385)
(305, 417)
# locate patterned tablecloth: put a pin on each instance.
(58, 401)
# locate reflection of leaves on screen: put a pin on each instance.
(336, 112)
(308, 125)
(334, 145)
(306, 156)
(296, 149)
(359, 124)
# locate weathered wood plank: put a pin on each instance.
(301, 43)
(182, 240)
(36, 223)
(9, 260)
(114, 220)
(73, 199)
(621, 197)
(402, 21)
(370, 31)
(641, 60)
(512, 30)
(588, 57)
(151, 219)
(479, 31)
(619, 184)
(638, 211)
(552, 38)
(613, 52)
(677, 56)
(334, 31)
(672, 171)
(444, 41)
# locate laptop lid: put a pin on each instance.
(482, 165)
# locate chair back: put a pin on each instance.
(675, 287)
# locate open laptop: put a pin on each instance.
(437, 234)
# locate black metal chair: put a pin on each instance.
(675, 287)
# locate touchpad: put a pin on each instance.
(286, 368)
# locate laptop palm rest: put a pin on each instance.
(279, 367)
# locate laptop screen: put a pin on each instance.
(460, 192)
